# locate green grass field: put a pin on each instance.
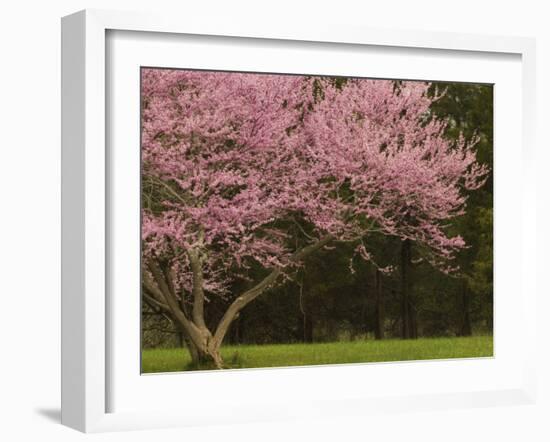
(284, 355)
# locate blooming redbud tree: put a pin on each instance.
(230, 159)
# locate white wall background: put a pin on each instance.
(30, 216)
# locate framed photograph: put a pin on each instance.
(277, 222)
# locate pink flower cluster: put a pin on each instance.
(235, 155)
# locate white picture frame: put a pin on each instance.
(86, 351)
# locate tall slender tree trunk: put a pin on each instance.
(307, 320)
(237, 330)
(405, 289)
(379, 308)
(466, 324)
(308, 328)
(413, 324)
(181, 339)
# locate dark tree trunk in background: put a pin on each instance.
(466, 324)
(181, 339)
(308, 328)
(405, 267)
(412, 321)
(408, 311)
(379, 308)
(236, 334)
(307, 320)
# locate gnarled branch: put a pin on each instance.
(251, 294)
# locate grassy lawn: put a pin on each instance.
(281, 355)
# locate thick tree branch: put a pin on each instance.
(251, 294)
(198, 291)
(191, 329)
(152, 288)
(154, 303)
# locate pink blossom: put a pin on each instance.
(236, 155)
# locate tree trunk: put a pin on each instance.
(412, 320)
(308, 328)
(191, 347)
(205, 355)
(206, 358)
(237, 332)
(379, 309)
(181, 339)
(405, 289)
(466, 325)
(307, 322)
(204, 346)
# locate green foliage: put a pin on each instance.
(480, 278)
(469, 109)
